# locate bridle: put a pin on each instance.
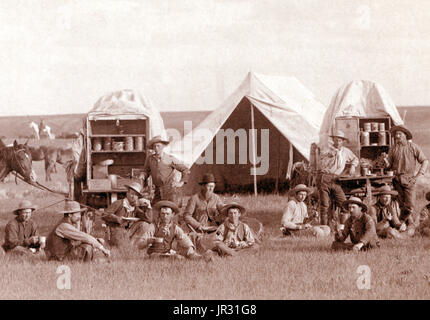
(15, 160)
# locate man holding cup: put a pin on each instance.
(360, 227)
(21, 234)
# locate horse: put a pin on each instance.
(16, 158)
(47, 130)
(35, 127)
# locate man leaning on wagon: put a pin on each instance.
(161, 167)
(333, 162)
(402, 159)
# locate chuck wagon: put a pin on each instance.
(114, 139)
(365, 113)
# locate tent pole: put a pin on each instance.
(277, 166)
(254, 150)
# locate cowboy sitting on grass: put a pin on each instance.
(296, 214)
(160, 236)
(21, 234)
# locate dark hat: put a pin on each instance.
(403, 129)
(135, 186)
(157, 139)
(339, 134)
(71, 207)
(207, 178)
(386, 190)
(166, 203)
(224, 209)
(302, 187)
(428, 196)
(25, 204)
(356, 201)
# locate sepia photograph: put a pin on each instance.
(214, 154)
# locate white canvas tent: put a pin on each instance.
(282, 106)
(359, 98)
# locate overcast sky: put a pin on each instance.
(60, 56)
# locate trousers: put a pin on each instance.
(406, 201)
(329, 188)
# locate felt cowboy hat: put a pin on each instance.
(157, 139)
(302, 187)
(339, 134)
(224, 209)
(355, 200)
(135, 186)
(25, 204)
(71, 207)
(207, 178)
(386, 190)
(403, 129)
(165, 203)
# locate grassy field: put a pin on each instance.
(280, 269)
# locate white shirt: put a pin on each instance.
(294, 213)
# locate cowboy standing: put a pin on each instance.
(296, 213)
(160, 236)
(360, 227)
(386, 214)
(67, 241)
(161, 168)
(402, 159)
(121, 229)
(333, 163)
(21, 233)
(233, 234)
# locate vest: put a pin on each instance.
(166, 245)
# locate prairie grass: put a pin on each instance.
(283, 268)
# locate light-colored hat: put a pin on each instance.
(356, 201)
(302, 187)
(386, 190)
(339, 134)
(403, 129)
(224, 209)
(135, 186)
(24, 204)
(168, 204)
(71, 207)
(157, 139)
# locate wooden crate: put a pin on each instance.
(99, 184)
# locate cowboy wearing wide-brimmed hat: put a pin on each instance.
(403, 129)
(386, 213)
(161, 167)
(360, 227)
(127, 218)
(339, 134)
(233, 234)
(334, 161)
(21, 233)
(157, 139)
(67, 241)
(160, 237)
(295, 216)
(202, 212)
(406, 158)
